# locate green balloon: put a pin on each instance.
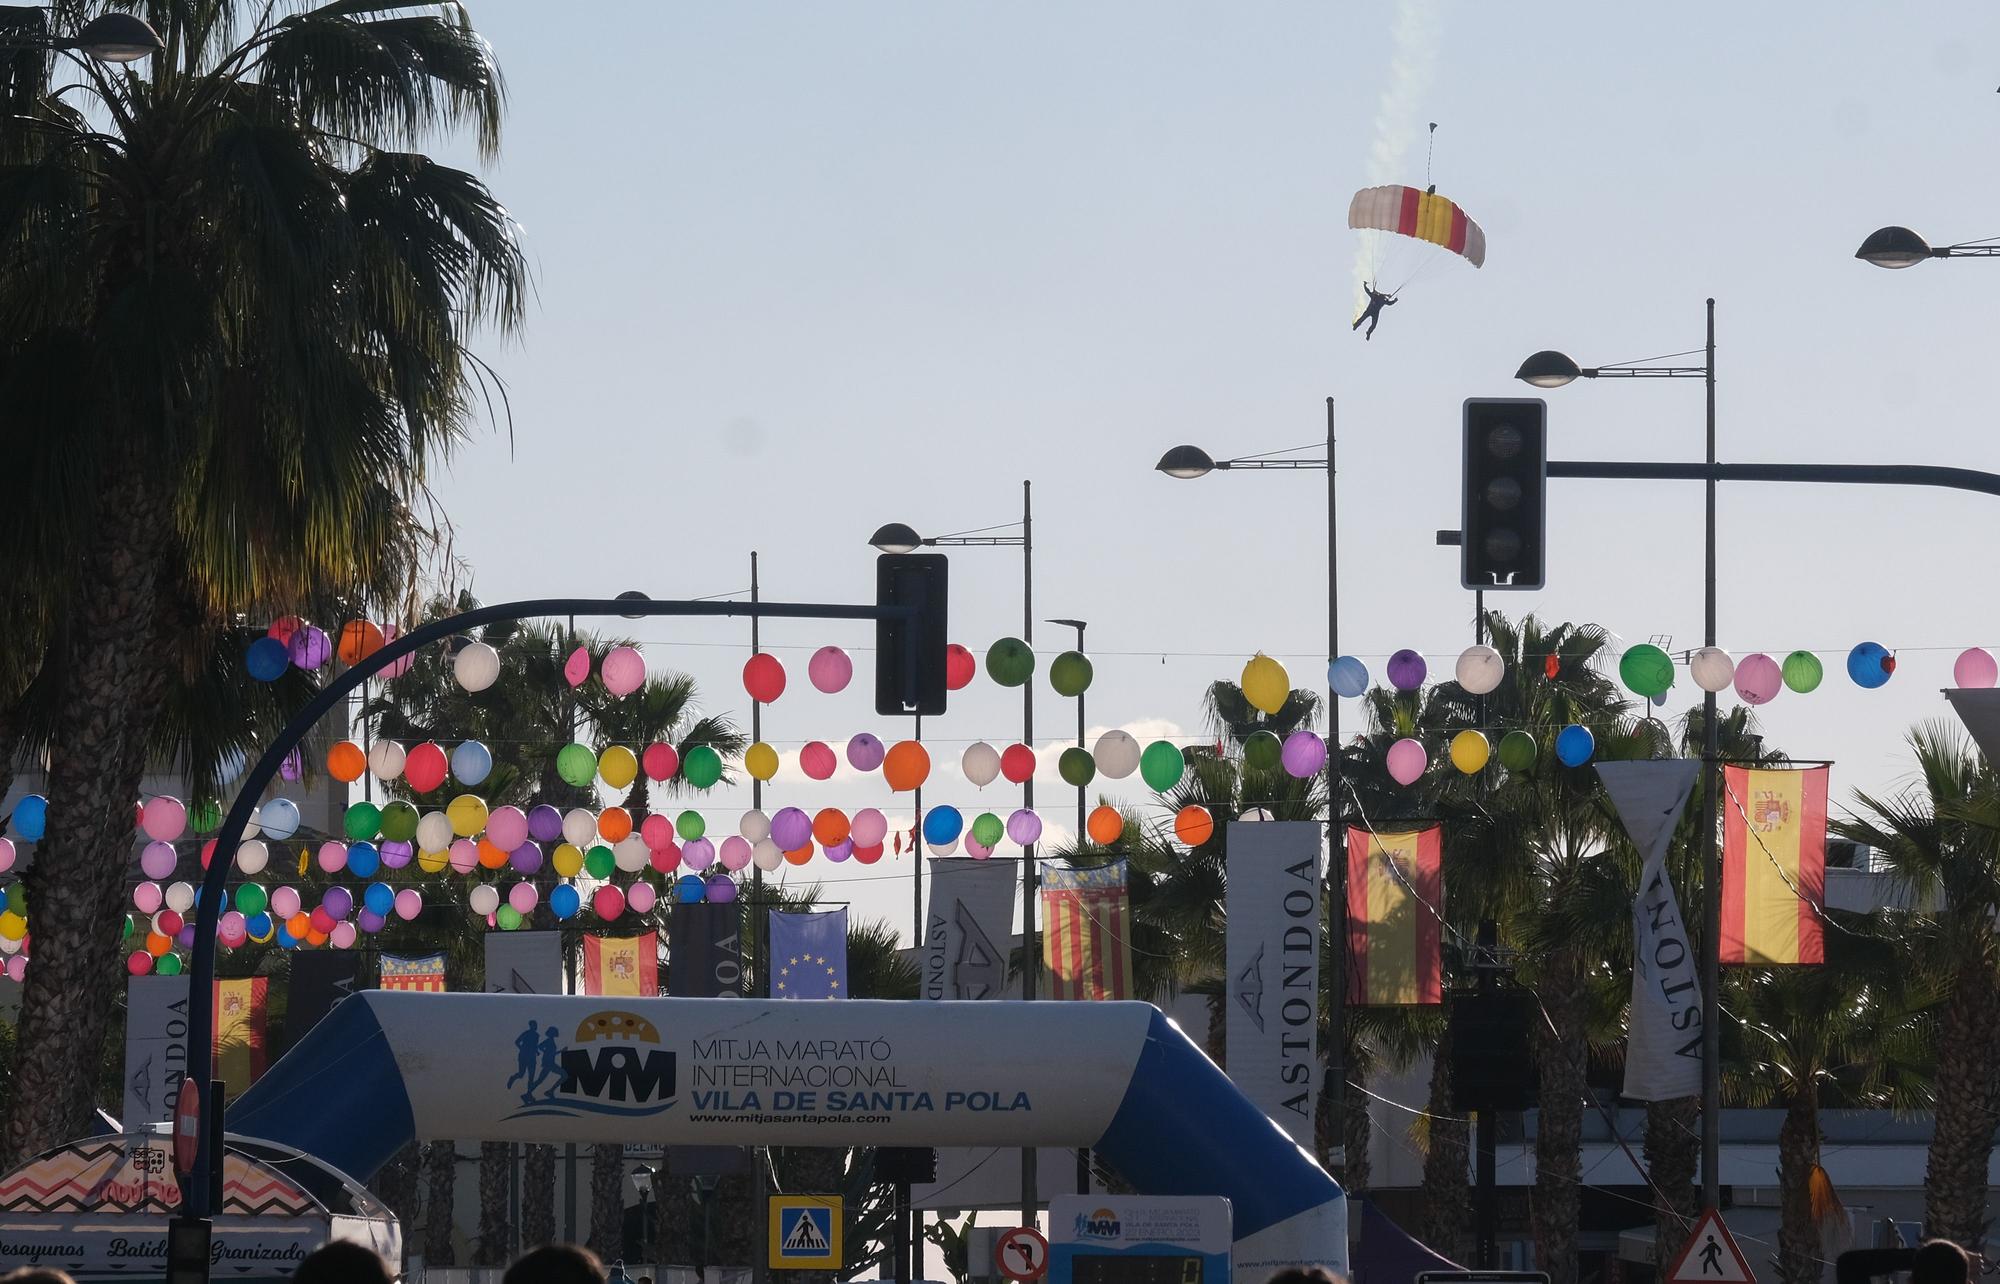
(1263, 751)
(1647, 670)
(598, 862)
(690, 826)
(206, 817)
(399, 822)
(702, 766)
(168, 965)
(1070, 674)
(1010, 662)
(1162, 766)
(988, 829)
(128, 927)
(576, 764)
(364, 821)
(1518, 751)
(508, 918)
(1077, 766)
(251, 899)
(1802, 671)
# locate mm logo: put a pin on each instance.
(1102, 1224)
(612, 1066)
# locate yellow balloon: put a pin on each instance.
(433, 862)
(467, 814)
(568, 860)
(1266, 685)
(13, 926)
(761, 761)
(617, 766)
(1469, 752)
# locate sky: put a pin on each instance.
(801, 270)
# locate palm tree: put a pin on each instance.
(1941, 838)
(234, 316)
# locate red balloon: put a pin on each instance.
(959, 667)
(868, 855)
(764, 677)
(322, 921)
(426, 767)
(284, 626)
(609, 902)
(660, 761)
(1017, 763)
(171, 922)
(817, 760)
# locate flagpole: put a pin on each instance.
(760, 1247)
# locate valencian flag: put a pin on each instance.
(622, 966)
(424, 973)
(239, 1032)
(1773, 865)
(1087, 932)
(1395, 900)
(809, 955)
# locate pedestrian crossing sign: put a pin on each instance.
(805, 1233)
(1710, 1256)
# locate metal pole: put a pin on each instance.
(917, 858)
(1711, 861)
(1336, 851)
(1082, 801)
(1029, 958)
(569, 975)
(760, 1211)
(1486, 1130)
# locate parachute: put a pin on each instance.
(1413, 212)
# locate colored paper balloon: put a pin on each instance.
(754, 825)
(464, 856)
(642, 898)
(868, 828)
(576, 764)
(1712, 669)
(702, 766)
(1161, 766)
(766, 855)
(987, 830)
(364, 820)
(1017, 763)
(630, 854)
(1010, 662)
(579, 826)
(817, 760)
(1758, 678)
(689, 825)
(1575, 745)
(1024, 826)
(564, 901)
(623, 670)
(471, 763)
(734, 852)
(1117, 754)
(865, 752)
(1347, 676)
(660, 761)
(608, 902)
(345, 761)
(1265, 684)
(310, 648)
(1870, 665)
(363, 859)
(507, 827)
(1406, 761)
(906, 767)
(1802, 671)
(523, 897)
(1076, 767)
(399, 821)
(1304, 755)
(279, 817)
(576, 669)
(830, 669)
(1070, 674)
(764, 677)
(943, 825)
(690, 889)
(1262, 751)
(830, 825)
(386, 759)
(761, 761)
(359, 639)
(1975, 667)
(1469, 752)
(266, 659)
(467, 814)
(426, 767)
(981, 764)
(1105, 826)
(1480, 670)
(617, 766)
(791, 828)
(1646, 670)
(1193, 825)
(476, 666)
(409, 903)
(959, 667)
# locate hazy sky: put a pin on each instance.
(805, 269)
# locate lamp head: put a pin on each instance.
(895, 537)
(1894, 247)
(1548, 369)
(118, 37)
(1186, 463)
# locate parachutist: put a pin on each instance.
(1372, 314)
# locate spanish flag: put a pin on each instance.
(625, 966)
(1773, 865)
(1395, 897)
(239, 1032)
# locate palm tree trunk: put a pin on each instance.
(607, 1201)
(1217, 1043)
(674, 1218)
(113, 677)
(1559, 1055)
(1355, 1131)
(1446, 1224)
(538, 1197)
(440, 1182)
(398, 1185)
(1673, 1159)
(1968, 1107)
(1798, 1155)
(496, 1230)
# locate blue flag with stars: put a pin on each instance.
(809, 955)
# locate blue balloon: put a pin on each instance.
(564, 901)
(3, 899)
(690, 889)
(31, 817)
(278, 818)
(379, 897)
(943, 825)
(1347, 676)
(471, 762)
(1574, 745)
(363, 859)
(285, 938)
(1869, 664)
(267, 659)
(258, 925)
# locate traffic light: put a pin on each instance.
(1502, 513)
(909, 650)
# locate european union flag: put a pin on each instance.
(809, 955)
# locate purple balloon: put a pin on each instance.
(369, 921)
(293, 767)
(395, 853)
(310, 648)
(1024, 826)
(1304, 755)
(699, 853)
(864, 753)
(721, 889)
(1406, 670)
(526, 859)
(544, 824)
(185, 937)
(337, 901)
(840, 851)
(157, 860)
(791, 829)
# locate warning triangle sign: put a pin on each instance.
(1710, 1254)
(805, 1235)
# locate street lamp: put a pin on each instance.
(1186, 463)
(1548, 369)
(109, 38)
(1899, 247)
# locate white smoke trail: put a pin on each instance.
(1412, 67)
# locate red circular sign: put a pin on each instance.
(1022, 1254)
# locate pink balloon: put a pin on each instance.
(817, 761)
(657, 831)
(868, 827)
(342, 936)
(464, 856)
(158, 860)
(507, 828)
(577, 668)
(396, 668)
(1976, 667)
(147, 898)
(523, 897)
(830, 669)
(409, 903)
(164, 819)
(1407, 761)
(642, 898)
(623, 670)
(17, 968)
(865, 752)
(735, 852)
(976, 849)
(6, 855)
(1758, 678)
(608, 903)
(232, 929)
(333, 857)
(284, 902)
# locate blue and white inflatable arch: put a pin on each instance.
(1121, 1078)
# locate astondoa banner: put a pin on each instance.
(156, 1042)
(1663, 1050)
(967, 934)
(1273, 951)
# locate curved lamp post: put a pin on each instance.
(1898, 247)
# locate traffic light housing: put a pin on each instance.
(1502, 510)
(909, 649)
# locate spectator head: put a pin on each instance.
(1939, 1261)
(556, 1264)
(36, 1275)
(341, 1262)
(1306, 1275)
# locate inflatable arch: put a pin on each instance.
(1121, 1078)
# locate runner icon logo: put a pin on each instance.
(626, 1073)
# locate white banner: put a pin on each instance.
(1663, 1046)
(969, 929)
(156, 1043)
(1273, 951)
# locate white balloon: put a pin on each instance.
(476, 667)
(252, 856)
(180, 896)
(1712, 668)
(630, 853)
(434, 832)
(1117, 754)
(944, 849)
(981, 764)
(580, 827)
(254, 826)
(755, 826)
(385, 759)
(9, 945)
(767, 855)
(484, 899)
(1255, 814)
(279, 817)
(1480, 670)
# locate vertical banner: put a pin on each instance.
(966, 936)
(524, 963)
(1773, 865)
(155, 1047)
(319, 979)
(622, 966)
(809, 955)
(1272, 950)
(423, 973)
(705, 950)
(240, 1048)
(1087, 931)
(1395, 904)
(1663, 1046)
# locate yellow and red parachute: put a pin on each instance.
(1421, 215)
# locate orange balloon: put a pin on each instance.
(801, 856)
(906, 766)
(300, 925)
(359, 639)
(345, 762)
(157, 945)
(490, 856)
(315, 937)
(1105, 826)
(1193, 825)
(614, 823)
(830, 826)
